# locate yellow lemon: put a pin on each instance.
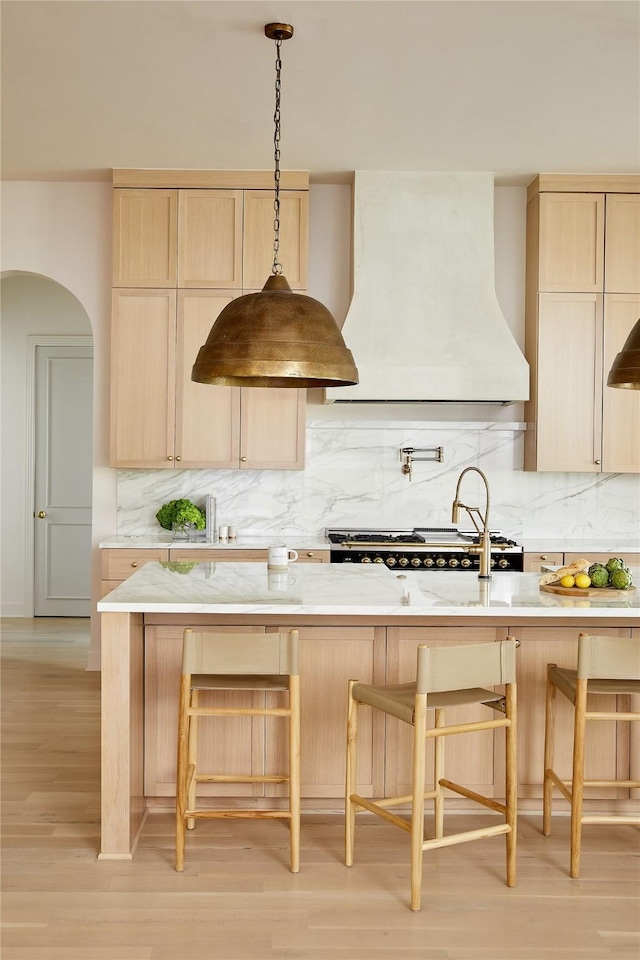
(567, 581)
(583, 580)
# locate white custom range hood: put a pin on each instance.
(424, 323)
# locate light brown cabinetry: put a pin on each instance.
(239, 555)
(582, 299)
(328, 658)
(180, 256)
(534, 562)
(117, 565)
(607, 754)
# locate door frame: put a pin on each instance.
(34, 341)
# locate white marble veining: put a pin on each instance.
(352, 478)
(335, 589)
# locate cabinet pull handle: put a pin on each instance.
(134, 563)
(309, 554)
(178, 458)
(169, 458)
(597, 462)
(243, 459)
(543, 556)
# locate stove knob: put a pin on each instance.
(404, 562)
(366, 560)
(391, 562)
(465, 562)
(428, 562)
(440, 562)
(415, 562)
(453, 562)
(504, 563)
(379, 560)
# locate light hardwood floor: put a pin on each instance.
(236, 899)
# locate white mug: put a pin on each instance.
(279, 581)
(279, 556)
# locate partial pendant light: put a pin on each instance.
(625, 372)
(275, 338)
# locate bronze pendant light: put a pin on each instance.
(275, 338)
(625, 371)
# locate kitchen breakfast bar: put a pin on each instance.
(355, 622)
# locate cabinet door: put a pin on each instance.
(568, 429)
(227, 745)
(143, 378)
(534, 562)
(329, 658)
(207, 416)
(144, 238)
(210, 239)
(606, 753)
(259, 237)
(272, 428)
(620, 408)
(622, 244)
(571, 242)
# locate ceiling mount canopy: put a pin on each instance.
(625, 372)
(275, 338)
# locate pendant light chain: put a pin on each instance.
(277, 266)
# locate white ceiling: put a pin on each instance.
(513, 87)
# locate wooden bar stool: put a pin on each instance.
(446, 677)
(606, 665)
(236, 661)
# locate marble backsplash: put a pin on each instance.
(353, 478)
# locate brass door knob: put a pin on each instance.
(42, 514)
(134, 563)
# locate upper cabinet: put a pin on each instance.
(220, 239)
(145, 238)
(184, 247)
(582, 299)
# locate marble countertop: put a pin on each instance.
(333, 589)
(315, 542)
(243, 542)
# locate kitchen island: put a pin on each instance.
(355, 621)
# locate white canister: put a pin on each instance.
(279, 556)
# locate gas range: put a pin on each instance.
(422, 548)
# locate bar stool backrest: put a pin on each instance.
(608, 658)
(463, 667)
(240, 653)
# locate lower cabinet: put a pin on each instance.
(332, 655)
(117, 565)
(607, 751)
(329, 657)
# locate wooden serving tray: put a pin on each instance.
(605, 593)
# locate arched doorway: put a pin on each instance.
(46, 449)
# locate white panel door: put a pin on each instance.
(63, 465)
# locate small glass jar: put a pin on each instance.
(182, 531)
